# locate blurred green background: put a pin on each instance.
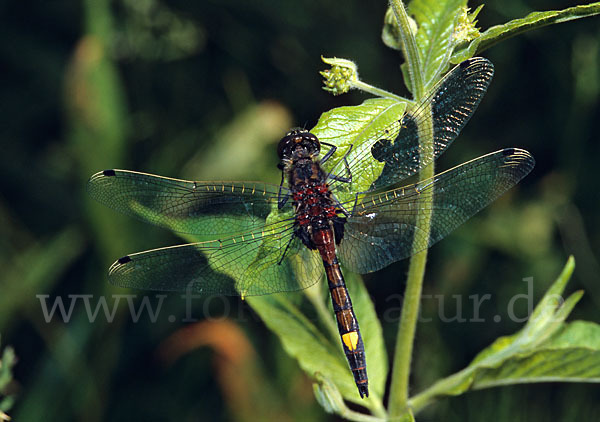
(204, 90)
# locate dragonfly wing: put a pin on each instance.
(449, 106)
(245, 265)
(207, 208)
(383, 228)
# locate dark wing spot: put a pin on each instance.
(380, 149)
(124, 260)
(508, 151)
(109, 173)
(466, 63)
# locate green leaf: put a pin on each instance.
(302, 340)
(391, 34)
(328, 395)
(534, 20)
(7, 362)
(571, 355)
(436, 22)
(318, 354)
(355, 126)
(546, 349)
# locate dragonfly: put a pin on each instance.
(259, 238)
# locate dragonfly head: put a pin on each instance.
(298, 142)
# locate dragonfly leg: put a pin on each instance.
(345, 158)
(356, 201)
(329, 153)
(285, 250)
(305, 237)
(282, 199)
(340, 208)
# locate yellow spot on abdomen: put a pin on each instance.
(350, 340)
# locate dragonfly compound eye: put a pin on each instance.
(312, 143)
(298, 139)
(286, 145)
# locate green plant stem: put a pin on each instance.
(398, 405)
(408, 322)
(365, 87)
(376, 406)
(440, 388)
(409, 48)
(351, 415)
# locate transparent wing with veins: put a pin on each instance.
(209, 209)
(251, 262)
(450, 105)
(246, 265)
(384, 227)
(381, 228)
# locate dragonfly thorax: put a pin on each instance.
(314, 206)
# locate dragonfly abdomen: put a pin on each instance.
(320, 228)
(347, 323)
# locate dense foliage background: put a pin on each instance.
(204, 90)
